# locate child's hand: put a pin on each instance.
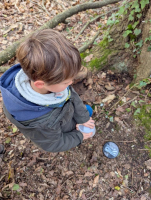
(89, 123)
(85, 135)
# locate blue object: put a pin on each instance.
(85, 129)
(110, 150)
(90, 110)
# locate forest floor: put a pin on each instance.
(83, 173)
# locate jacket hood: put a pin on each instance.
(17, 105)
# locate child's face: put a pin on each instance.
(58, 87)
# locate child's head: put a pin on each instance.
(48, 56)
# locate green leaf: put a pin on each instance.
(137, 31)
(127, 45)
(142, 84)
(141, 101)
(131, 18)
(126, 33)
(14, 129)
(110, 22)
(137, 9)
(126, 177)
(148, 39)
(140, 43)
(121, 10)
(15, 187)
(139, 15)
(135, 24)
(149, 48)
(8, 139)
(128, 109)
(138, 110)
(133, 104)
(134, 4)
(144, 3)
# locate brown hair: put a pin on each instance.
(47, 55)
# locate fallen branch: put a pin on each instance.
(83, 48)
(92, 20)
(10, 51)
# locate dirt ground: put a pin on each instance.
(82, 173)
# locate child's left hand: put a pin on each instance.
(90, 123)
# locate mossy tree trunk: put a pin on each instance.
(114, 55)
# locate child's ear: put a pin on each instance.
(39, 84)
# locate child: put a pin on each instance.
(37, 95)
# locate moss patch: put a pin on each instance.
(101, 53)
(144, 118)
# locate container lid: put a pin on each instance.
(85, 129)
(110, 150)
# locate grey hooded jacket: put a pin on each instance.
(56, 130)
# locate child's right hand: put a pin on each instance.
(85, 135)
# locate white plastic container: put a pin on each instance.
(85, 129)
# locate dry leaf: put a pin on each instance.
(88, 58)
(81, 191)
(96, 180)
(109, 98)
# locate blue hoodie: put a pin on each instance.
(17, 105)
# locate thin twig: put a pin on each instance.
(147, 94)
(92, 20)
(132, 176)
(122, 141)
(123, 96)
(43, 1)
(84, 47)
(128, 101)
(144, 149)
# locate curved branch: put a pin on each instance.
(83, 48)
(10, 51)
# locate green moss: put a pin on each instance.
(101, 58)
(144, 118)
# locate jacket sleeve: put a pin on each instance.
(64, 142)
(81, 114)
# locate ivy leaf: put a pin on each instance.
(137, 31)
(142, 84)
(133, 104)
(131, 18)
(139, 15)
(135, 24)
(121, 10)
(140, 43)
(126, 33)
(138, 110)
(127, 45)
(144, 3)
(15, 187)
(149, 48)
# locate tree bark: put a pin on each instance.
(10, 51)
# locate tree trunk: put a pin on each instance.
(113, 55)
